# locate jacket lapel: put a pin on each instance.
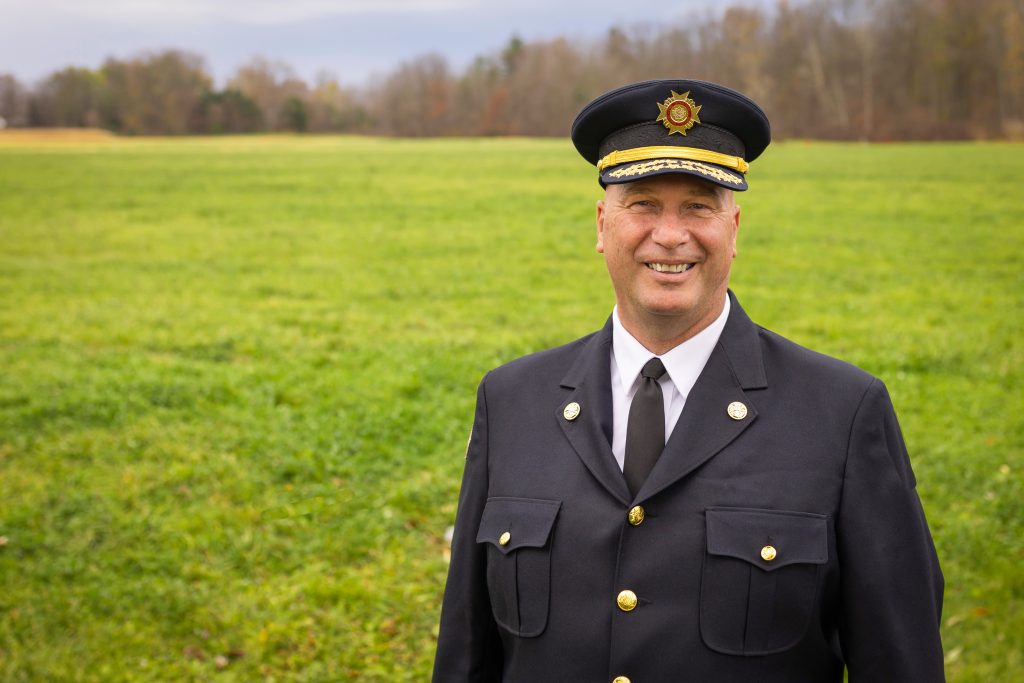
(705, 427)
(589, 378)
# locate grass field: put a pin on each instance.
(237, 377)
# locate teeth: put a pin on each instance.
(670, 267)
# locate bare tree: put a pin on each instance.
(415, 100)
(332, 108)
(155, 93)
(68, 98)
(14, 102)
(272, 86)
(1010, 83)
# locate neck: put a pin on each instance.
(661, 334)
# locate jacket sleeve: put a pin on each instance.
(468, 646)
(890, 578)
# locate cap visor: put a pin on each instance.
(718, 175)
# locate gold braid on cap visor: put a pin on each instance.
(692, 153)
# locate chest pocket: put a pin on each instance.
(518, 534)
(760, 580)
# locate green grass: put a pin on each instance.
(237, 377)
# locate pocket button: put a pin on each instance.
(768, 553)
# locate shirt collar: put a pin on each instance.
(683, 363)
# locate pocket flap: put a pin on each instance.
(768, 539)
(511, 523)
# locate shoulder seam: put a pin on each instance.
(849, 435)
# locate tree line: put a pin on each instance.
(832, 69)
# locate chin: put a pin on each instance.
(685, 310)
(671, 310)
(672, 304)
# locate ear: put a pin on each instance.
(735, 227)
(600, 226)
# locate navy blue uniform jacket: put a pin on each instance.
(817, 469)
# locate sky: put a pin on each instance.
(352, 39)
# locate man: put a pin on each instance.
(683, 495)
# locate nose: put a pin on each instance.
(670, 232)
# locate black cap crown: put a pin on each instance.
(672, 126)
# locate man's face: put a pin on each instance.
(669, 242)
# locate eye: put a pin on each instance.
(641, 204)
(700, 209)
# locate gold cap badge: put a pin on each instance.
(679, 113)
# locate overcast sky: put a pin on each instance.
(354, 39)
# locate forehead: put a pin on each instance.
(670, 183)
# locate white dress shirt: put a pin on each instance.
(683, 364)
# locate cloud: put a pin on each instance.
(235, 11)
(357, 39)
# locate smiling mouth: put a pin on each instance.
(670, 267)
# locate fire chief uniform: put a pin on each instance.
(766, 546)
(778, 538)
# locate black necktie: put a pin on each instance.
(645, 429)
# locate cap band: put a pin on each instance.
(692, 153)
(716, 174)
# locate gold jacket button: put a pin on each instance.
(736, 410)
(621, 679)
(504, 538)
(768, 553)
(636, 515)
(626, 601)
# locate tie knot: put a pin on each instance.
(653, 369)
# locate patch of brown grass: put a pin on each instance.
(35, 136)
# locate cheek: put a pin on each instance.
(625, 236)
(618, 255)
(619, 250)
(720, 240)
